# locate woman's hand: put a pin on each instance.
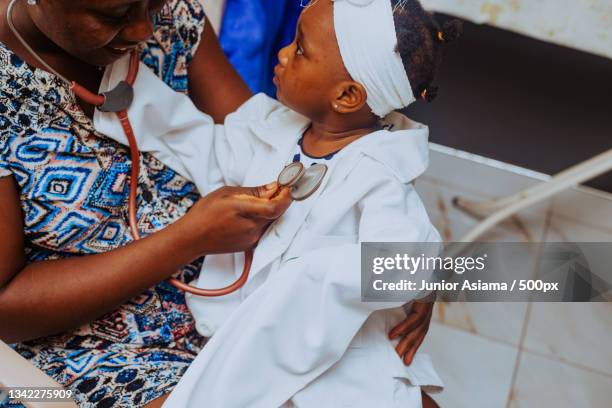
(413, 330)
(233, 219)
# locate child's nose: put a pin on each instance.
(282, 56)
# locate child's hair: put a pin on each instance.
(420, 43)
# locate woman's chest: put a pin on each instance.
(74, 189)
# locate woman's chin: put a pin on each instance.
(102, 57)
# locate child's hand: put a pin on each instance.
(413, 330)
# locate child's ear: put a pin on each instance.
(349, 96)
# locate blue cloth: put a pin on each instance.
(252, 33)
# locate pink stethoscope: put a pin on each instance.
(303, 182)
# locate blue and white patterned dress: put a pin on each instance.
(73, 191)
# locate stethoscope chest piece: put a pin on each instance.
(303, 182)
(291, 174)
(118, 99)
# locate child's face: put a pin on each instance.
(311, 67)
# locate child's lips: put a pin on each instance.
(277, 73)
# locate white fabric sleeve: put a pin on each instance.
(168, 125)
(302, 319)
(236, 145)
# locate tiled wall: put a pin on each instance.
(518, 354)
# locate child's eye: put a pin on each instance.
(298, 49)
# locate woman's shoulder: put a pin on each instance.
(178, 29)
(19, 97)
(183, 19)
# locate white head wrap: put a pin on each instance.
(366, 36)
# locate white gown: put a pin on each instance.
(297, 334)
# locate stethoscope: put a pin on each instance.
(302, 182)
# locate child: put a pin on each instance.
(297, 334)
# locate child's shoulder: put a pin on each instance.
(401, 153)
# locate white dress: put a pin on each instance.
(297, 334)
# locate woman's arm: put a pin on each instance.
(214, 85)
(53, 296)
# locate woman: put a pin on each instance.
(67, 263)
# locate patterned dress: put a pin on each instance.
(73, 191)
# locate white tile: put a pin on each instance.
(450, 222)
(453, 223)
(498, 321)
(585, 206)
(563, 229)
(594, 243)
(477, 372)
(455, 173)
(470, 175)
(542, 382)
(580, 333)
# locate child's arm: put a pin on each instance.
(168, 125)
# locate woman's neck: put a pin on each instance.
(323, 138)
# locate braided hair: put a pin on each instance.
(420, 43)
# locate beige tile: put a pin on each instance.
(580, 333)
(498, 321)
(542, 382)
(477, 372)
